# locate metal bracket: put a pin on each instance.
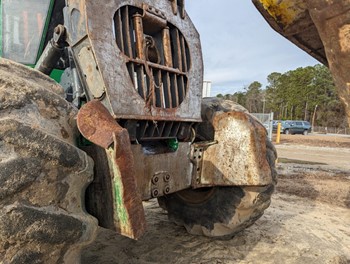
(197, 152)
(91, 72)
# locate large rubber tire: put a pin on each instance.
(220, 212)
(43, 175)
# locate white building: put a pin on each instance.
(206, 88)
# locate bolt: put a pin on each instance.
(155, 193)
(167, 189)
(155, 180)
(166, 177)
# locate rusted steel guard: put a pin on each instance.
(97, 125)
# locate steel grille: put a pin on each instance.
(142, 130)
(158, 57)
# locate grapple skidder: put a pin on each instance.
(134, 70)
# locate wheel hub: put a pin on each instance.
(196, 196)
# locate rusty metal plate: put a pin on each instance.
(97, 125)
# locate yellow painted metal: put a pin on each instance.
(285, 12)
(278, 137)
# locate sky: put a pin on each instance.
(238, 45)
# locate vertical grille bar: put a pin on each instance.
(175, 129)
(119, 30)
(157, 102)
(126, 31)
(168, 58)
(161, 126)
(166, 89)
(141, 85)
(181, 4)
(174, 91)
(177, 57)
(131, 70)
(147, 83)
(143, 128)
(138, 26)
(167, 129)
(183, 52)
(153, 87)
(160, 89)
(181, 87)
(132, 38)
(150, 130)
(185, 82)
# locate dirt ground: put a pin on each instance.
(316, 140)
(307, 222)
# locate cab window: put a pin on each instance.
(23, 23)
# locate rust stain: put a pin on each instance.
(96, 124)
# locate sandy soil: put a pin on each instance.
(307, 222)
(316, 140)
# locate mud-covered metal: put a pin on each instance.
(97, 125)
(160, 173)
(142, 76)
(292, 20)
(237, 156)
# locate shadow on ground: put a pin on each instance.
(165, 242)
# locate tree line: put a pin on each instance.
(301, 94)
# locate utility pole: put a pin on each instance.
(313, 119)
(264, 100)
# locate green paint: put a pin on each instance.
(0, 28)
(173, 144)
(56, 75)
(120, 211)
